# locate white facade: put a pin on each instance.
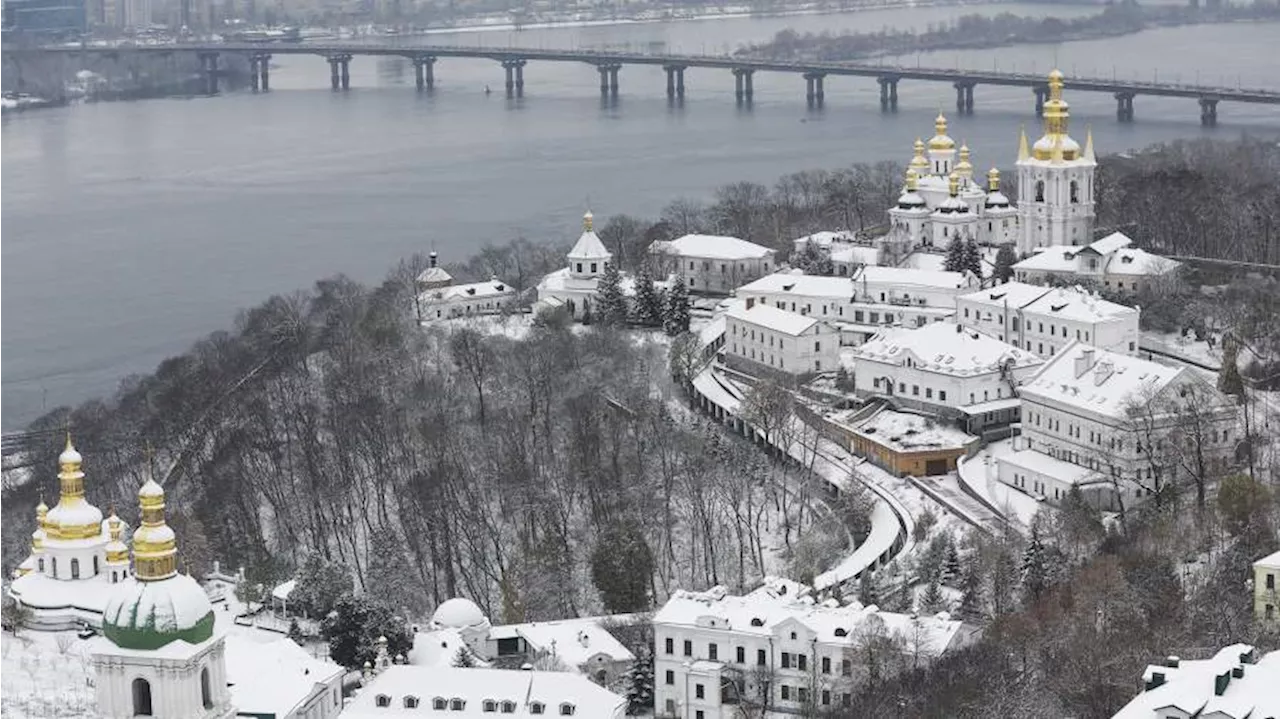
(1110, 263)
(177, 680)
(575, 287)
(281, 679)
(713, 264)
(1234, 684)
(476, 298)
(1044, 320)
(781, 340)
(1078, 430)
(1055, 181)
(713, 652)
(944, 368)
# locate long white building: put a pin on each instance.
(711, 264)
(781, 340)
(439, 298)
(409, 691)
(947, 369)
(1044, 320)
(1233, 684)
(715, 653)
(1089, 418)
(1110, 263)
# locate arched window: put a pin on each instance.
(440, 703)
(75, 568)
(1075, 192)
(114, 574)
(1039, 190)
(508, 707)
(490, 706)
(42, 565)
(382, 700)
(95, 565)
(141, 697)
(411, 702)
(206, 696)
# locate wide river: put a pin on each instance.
(132, 229)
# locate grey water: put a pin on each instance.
(131, 230)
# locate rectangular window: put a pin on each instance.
(846, 668)
(742, 655)
(786, 660)
(802, 660)
(713, 652)
(928, 393)
(593, 267)
(699, 691)
(875, 318)
(915, 390)
(942, 395)
(817, 346)
(826, 697)
(802, 695)
(688, 648)
(671, 677)
(762, 658)
(786, 693)
(1271, 581)
(902, 387)
(826, 665)
(671, 646)
(857, 315)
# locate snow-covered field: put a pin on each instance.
(45, 674)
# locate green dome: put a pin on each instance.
(151, 614)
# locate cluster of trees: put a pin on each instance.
(652, 306)
(977, 30)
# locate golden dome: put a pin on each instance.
(993, 180)
(940, 140)
(918, 161)
(155, 547)
(912, 180)
(38, 536)
(117, 552)
(586, 221)
(953, 183)
(1056, 144)
(73, 517)
(964, 167)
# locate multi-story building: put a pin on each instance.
(1234, 684)
(710, 264)
(781, 340)
(1044, 320)
(1266, 591)
(945, 369)
(1116, 426)
(439, 299)
(716, 654)
(401, 690)
(1056, 188)
(1109, 263)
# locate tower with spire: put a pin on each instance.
(574, 288)
(1056, 181)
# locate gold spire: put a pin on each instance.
(1023, 152)
(940, 141)
(918, 161)
(37, 537)
(72, 517)
(993, 180)
(70, 478)
(586, 221)
(1056, 145)
(912, 180)
(953, 183)
(155, 550)
(940, 124)
(117, 552)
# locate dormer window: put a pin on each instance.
(537, 708)
(489, 706)
(757, 622)
(440, 703)
(567, 709)
(457, 704)
(411, 702)
(382, 700)
(508, 707)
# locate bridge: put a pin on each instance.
(608, 64)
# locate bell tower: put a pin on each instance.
(1056, 203)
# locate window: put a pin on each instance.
(802, 694)
(440, 703)
(206, 696)
(1271, 581)
(699, 714)
(671, 677)
(457, 704)
(688, 648)
(1075, 192)
(382, 700)
(142, 697)
(761, 657)
(846, 668)
(699, 691)
(579, 268)
(915, 390)
(786, 660)
(1040, 191)
(671, 646)
(713, 651)
(826, 697)
(411, 702)
(801, 661)
(95, 566)
(942, 395)
(489, 706)
(567, 709)
(742, 655)
(75, 568)
(537, 708)
(826, 665)
(786, 693)
(508, 707)
(902, 387)
(671, 707)
(817, 346)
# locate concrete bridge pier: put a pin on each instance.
(964, 97)
(814, 95)
(1209, 111)
(253, 72)
(424, 72)
(1124, 106)
(604, 79)
(888, 94)
(345, 62)
(743, 89)
(259, 68)
(515, 77)
(335, 80)
(209, 61)
(1042, 95)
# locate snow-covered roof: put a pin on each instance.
(474, 686)
(435, 274)
(474, 290)
(574, 641)
(1192, 687)
(1110, 243)
(1054, 258)
(944, 347)
(772, 318)
(1271, 560)
(1012, 294)
(139, 612)
(911, 276)
(1101, 382)
(438, 648)
(824, 239)
(284, 589)
(798, 283)
(459, 613)
(1049, 466)
(763, 615)
(1132, 261)
(909, 432)
(589, 246)
(273, 678)
(42, 592)
(712, 247)
(1075, 303)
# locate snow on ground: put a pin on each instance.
(1184, 346)
(45, 674)
(978, 473)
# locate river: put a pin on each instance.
(133, 229)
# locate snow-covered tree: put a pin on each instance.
(621, 568)
(868, 589)
(353, 627)
(932, 601)
(320, 583)
(676, 318)
(389, 574)
(463, 658)
(1035, 571)
(611, 306)
(648, 305)
(1005, 260)
(640, 684)
(813, 260)
(295, 632)
(955, 256)
(972, 258)
(971, 600)
(951, 565)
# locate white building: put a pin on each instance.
(947, 369)
(1109, 263)
(161, 652)
(1266, 591)
(1089, 418)
(1234, 684)
(1056, 187)
(282, 680)
(714, 652)
(438, 298)
(1044, 320)
(402, 690)
(711, 264)
(76, 558)
(781, 340)
(575, 287)
(581, 644)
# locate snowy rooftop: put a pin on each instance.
(1110, 243)
(712, 247)
(1054, 258)
(908, 432)
(1140, 262)
(284, 589)
(475, 290)
(908, 276)
(1101, 382)
(824, 239)
(1041, 463)
(1012, 294)
(800, 284)
(1077, 304)
(1271, 560)
(589, 246)
(273, 678)
(943, 347)
(574, 641)
(1211, 687)
(764, 615)
(43, 592)
(437, 648)
(772, 318)
(474, 687)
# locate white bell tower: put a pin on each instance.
(1055, 181)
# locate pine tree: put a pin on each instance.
(640, 684)
(868, 591)
(463, 659)
(1005, 259)
(389, 574)
(353, 627)
(648, 301)
(932, 601)
(611, 304)
(972, 258)
(971, 590)
(676, 319)
(951, 565)
(955, 255)
(295, 632)
(622, 568)
(1035, 572)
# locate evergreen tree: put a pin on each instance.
(353, 627)
(463, 659)
(1229, 381)
(971, 590)
(295, 632)
(320, 583)
(389, 574)
(1035, 571)
(621, 568)
(1005, 259)
(972, 258)
(955, 256)
(676, 319)
(640, 684)
(932, 601)
(611, 304)
(648, 301)
(868, 591)
(951, 565)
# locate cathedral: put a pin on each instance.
(942, 199)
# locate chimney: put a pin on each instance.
(1101, 372)
(1220, 683)
(1157, 679)
(1172, 662)
(1084, 361)
(1238, 672)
